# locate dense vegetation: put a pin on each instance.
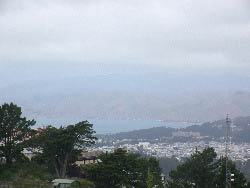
(125, 169)
(13, 131)
(57, 149)
(61, 146)
(204, 170)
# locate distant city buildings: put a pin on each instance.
(180, 149)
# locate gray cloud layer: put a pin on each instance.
(124, 34)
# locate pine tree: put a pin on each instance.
(14, 129)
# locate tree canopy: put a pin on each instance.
(14, 129)
(204, 170)
(124, 169)
(60, 145)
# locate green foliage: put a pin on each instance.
(82, 183)
(75, 184)
(27, 183)
(122, 169)
(204, 170)
(150, 180)
(239, 179)
(62, 146)
(24, 170)
(25, 175)
(168, 164)
(154, 168)
(13, 131)
(6, 172)
(86, 183)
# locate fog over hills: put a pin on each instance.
(166, 96)
(168, 60)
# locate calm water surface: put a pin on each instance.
(106, 126)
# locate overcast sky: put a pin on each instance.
(109, 36)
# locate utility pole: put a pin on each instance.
(228, 144)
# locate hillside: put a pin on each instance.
(170, 97)
(207, 131)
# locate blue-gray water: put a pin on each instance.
(105, 126)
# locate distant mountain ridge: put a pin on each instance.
(215, 131)
(160, 96)
(141, 106)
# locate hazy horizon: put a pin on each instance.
(170, 60)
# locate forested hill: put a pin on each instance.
(207, 131)
(152, 133)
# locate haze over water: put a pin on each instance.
(168, 60)
(106, 126)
